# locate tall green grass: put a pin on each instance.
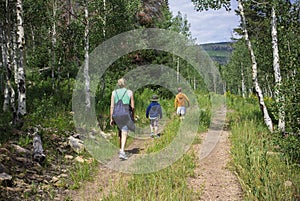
(167, 184)
(265, 173)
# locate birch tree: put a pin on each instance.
(21, 73)
(267, 119)
(279, 97)
(86, 57)
(243, 81)
(9, 92)
(5, 65)
(205, 5)
(54, 41)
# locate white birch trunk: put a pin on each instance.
(104, 19)
(21, 72)
(86, 58)
(14, 55)
(278, 95)
(177, 70)
(268, 87)
(259, 93)
(33, 38)
(53, 44)
(9, 93)
(243, 82)
(4, 64)
(6, 98)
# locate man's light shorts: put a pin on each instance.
(181, 111)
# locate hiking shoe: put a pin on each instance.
(122, 155)
(157, 136)
(151, 135)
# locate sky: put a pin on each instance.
(207, 26)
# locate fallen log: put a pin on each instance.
(38, 152)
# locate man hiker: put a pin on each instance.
(180, 103)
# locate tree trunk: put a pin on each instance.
(86, 59)
(38, 152)
(104, 19)
(178, 73)
(257, 88)
(14, 54)
(21, 73)
(4, 64)
(268, 88)
(243, 82)
(279, 97)
(9, 92)
(53, 62)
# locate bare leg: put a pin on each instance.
(120, 137)
(156, 130)
(151, 128)
(123, 140)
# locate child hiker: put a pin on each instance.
(154, 113)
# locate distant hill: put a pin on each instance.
(219, 52)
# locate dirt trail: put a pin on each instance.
(213, 176)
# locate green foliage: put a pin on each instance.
(5, 126)
(260, 159)
(48, 114)
(204, 103)
(247, 108)
(202, 5)
(82, 172)
(239, 64)
(244, 109)
(181, 25)
(272, 109)
(289, 145)
(288, 33)
(262, 170)
(25, 140)
(163, 185)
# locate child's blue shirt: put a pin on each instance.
(153, 103)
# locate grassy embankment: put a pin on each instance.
(264, 171)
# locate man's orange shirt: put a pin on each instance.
(180, 100)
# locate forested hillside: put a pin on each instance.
(61, 60)
(219, 52)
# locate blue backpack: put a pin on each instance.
(121, 114)
(155, 112)
(120, 109)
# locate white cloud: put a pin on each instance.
(207, 26)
